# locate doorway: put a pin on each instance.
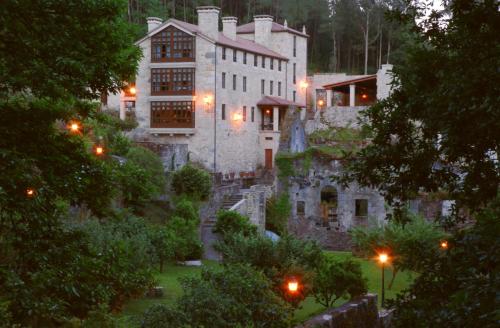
(269, 159)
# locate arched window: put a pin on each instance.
(172, 44)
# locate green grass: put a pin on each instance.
(134, 309)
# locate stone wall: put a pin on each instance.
(359, 313)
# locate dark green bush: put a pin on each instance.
(236, 296)
(230, 223)
(163, 316)
(192, 182)
(335, 279)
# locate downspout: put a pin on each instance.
(215, 115)
(286, 80)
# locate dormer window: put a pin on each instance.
(171, 45)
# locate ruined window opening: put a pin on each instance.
(301, 207)
(329, 204)
(361, 207)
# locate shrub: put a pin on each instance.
(151, 163)
(163, 316)
(236, 296)
(184, 238)
(191, 182)
(278, 211)
(231, 223)
(335, 279)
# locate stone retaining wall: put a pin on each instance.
(359, 313)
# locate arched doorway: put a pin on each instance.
(329, 204)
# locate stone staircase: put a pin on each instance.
(231, 201)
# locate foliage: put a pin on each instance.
(182, 229)
(163, 316)
(192, 182)
(230, 223)
(439, 128)
(458, 287)
(334, 279)
(161, 243)
(289, 257)
(278, 211)
(236, 296)
(406, 244)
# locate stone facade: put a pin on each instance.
(233, 141)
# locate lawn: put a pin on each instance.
(134, 309)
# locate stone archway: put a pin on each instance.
(329, 206)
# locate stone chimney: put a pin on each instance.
(263, 26)
(229, 27)
(153, 22)
(208, 20)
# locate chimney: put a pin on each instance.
(263, 26)
(229, 27)
(153, 22)
(208, 20)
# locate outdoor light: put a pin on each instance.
(383, 258)
(207, 100)
(293, 286)
(30, 192)
(237, 117)
(99, 150)
(74, 127)
(321, 103)
(304, 84)
(268, 111)
(444, 244)
(132, 90)
(364, 96)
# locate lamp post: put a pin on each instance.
(383, 258)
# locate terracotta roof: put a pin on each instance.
(239, 43)
(351, 81)
(250, 28)
(277, 101)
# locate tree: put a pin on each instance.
(192, 182)
(439, 130)
(335, 279)
(57, 57)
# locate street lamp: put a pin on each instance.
(293, 286)
(383, 258)
(444, 244)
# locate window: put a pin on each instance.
(244, 84)
(295, 46)
(172, 44)
(235, 53)
(172, 81)
(271, 63)
(262, 86)
(245, 58)
(255, 57)
(223, 112)
(234, 81)
(263, 62)
(294, 96)
(223, 80)
(301, 207)
(279, 65)
(271, 88)
(244, 113)
(361, 209)
(252, 114)
(294, 73)
(172, 114)
(224, 53)
(279, 89)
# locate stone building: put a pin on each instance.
(322, 209)
(216, 97)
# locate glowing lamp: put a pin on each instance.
(30, 192)
(74, 127)
(207, 100)
(383, 258)
(237, 117)
(321, 103)
(364, 96)
(268, 111)
(132, 90)
(99, 150)
(444, 244)
(293, 286)
(304, 84)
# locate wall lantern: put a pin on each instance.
(444, 244)
(364, 96)
(304, 85)
(237, 117)
(74, 127)
(99, 150)
(321, 103)
(132, 90)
